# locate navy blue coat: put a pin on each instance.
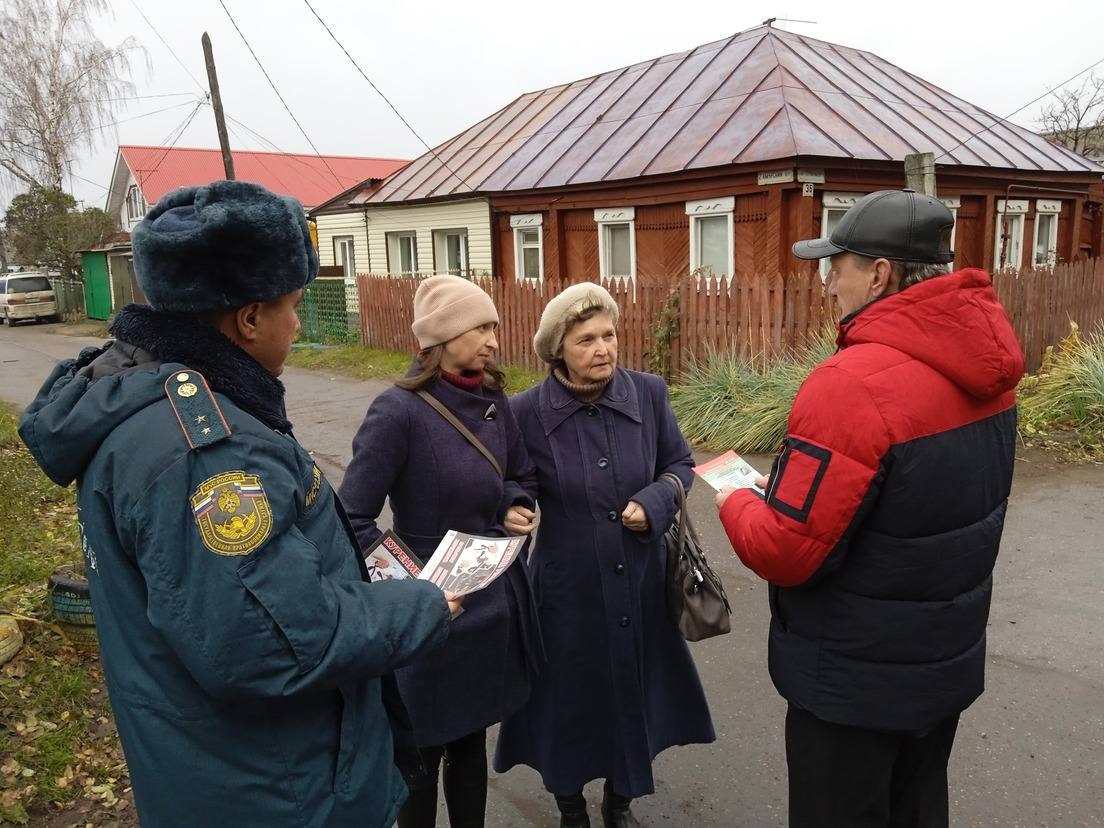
(240, 645)
(436, 480)
(620, 685)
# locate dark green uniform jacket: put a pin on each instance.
(240, 644)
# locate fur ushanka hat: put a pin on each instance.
(222, 246)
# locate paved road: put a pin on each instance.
(1029, 753)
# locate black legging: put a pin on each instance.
(465, 782)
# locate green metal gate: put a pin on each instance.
(97, 285)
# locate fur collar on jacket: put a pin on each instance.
(178, 337)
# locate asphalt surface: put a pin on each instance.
(1030, 752)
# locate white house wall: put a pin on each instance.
(342, 224)
(472, 215)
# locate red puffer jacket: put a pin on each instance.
(886, 503)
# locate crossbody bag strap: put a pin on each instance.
(463, 429)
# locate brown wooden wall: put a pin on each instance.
(769, 219)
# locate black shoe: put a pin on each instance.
(573, 812)
(616, 812)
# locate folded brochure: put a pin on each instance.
(391, 560)
(728, 471)
(460, 565)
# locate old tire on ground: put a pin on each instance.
(11, 639)
(72, 606)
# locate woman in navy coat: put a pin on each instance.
(619, 685)
(437, 480)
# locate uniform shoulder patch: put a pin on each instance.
(315, 486)
(232, 513)
(196, 410)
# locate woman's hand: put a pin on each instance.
(454, 603)
(634, 518)
(519, 520)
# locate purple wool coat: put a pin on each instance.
(619, 685)
(436, 480)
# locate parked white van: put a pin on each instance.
(27, 296)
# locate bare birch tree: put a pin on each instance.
(60, 87)
(1076, 118)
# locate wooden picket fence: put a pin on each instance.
(759, 317)
(1041, 303)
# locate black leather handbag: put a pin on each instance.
(696, 598)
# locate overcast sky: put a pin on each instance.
(447, 65)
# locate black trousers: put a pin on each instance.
(464, 779)
(848, 777)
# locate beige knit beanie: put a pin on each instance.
(548, 341)
(447, 306)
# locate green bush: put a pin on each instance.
(727, 402)
(1068, 389)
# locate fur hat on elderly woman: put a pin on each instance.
(564, 310)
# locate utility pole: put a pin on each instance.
(216, 104)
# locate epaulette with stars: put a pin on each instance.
(196, 409)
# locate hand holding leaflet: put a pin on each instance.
(729, 471)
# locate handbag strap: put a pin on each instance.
(686, 525)
(463, 429)
(693, 551)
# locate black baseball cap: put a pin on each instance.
(901, 225)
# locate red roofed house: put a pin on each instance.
(144, 174)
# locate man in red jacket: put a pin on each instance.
(882, 518)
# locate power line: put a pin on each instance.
(88, 181)
(378, 92)
(146, 97)
(135, 118)
(175, 135)
(170, 48)
(277, 91)
(261, 161)
(1021, 109)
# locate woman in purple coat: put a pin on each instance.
(437, 480)
(619, 685)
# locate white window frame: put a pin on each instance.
(440, 251)
(952, 203)
(607, 219)
(706, 208)
(394, 252)
(344, 250)
(1017, 208)
(1046, 207)
(135, 203)
(832, 202)
(521, 223)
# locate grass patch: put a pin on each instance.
(360, 362)
(726, 402)
(57, 740)
(354, 361)
(1065, 397)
